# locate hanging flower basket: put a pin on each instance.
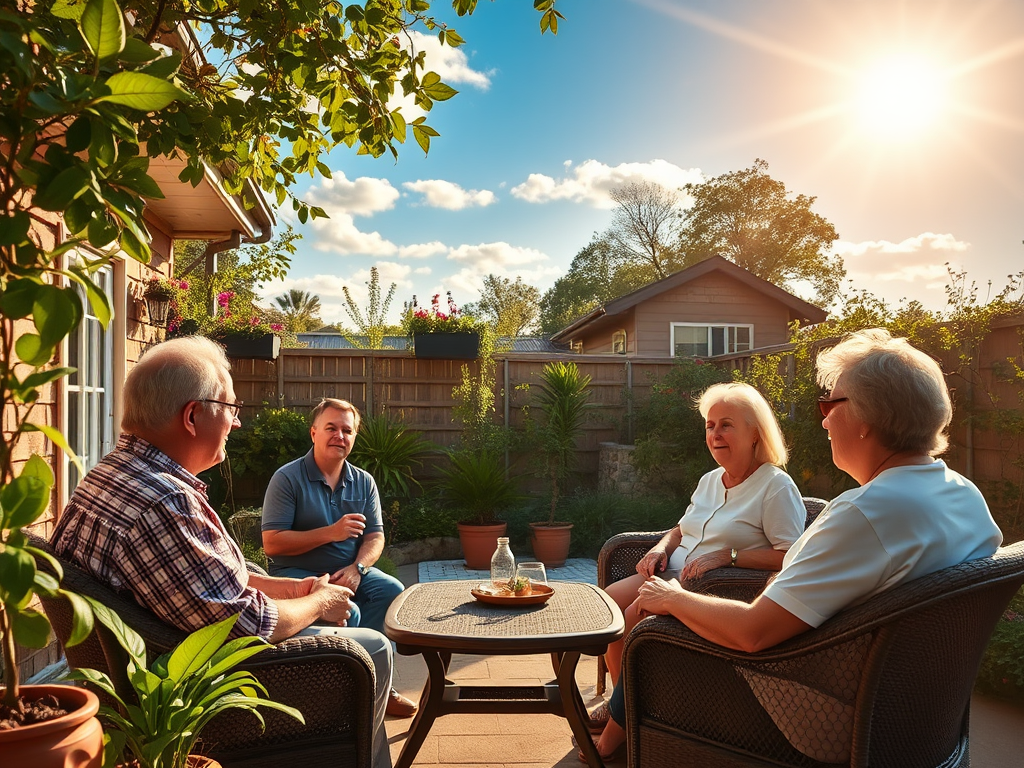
(464, 345)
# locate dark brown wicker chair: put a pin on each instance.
(329, 679)
(621, 553)
(886, 683)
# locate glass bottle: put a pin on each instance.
(503, 564)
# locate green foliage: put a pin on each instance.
(474, 402)
(597, 275)
(424, 517)
(510, 309)
(476, 484)
(563, 399)
(272, 438)
(386, 564)
(373, 325)
(749, 218)
(1002, 666)
(671, 452)
(596, 517)
(179, 693)
(435, 320)
(301, 310)
(253, 553)
(389, 451)
(72, 88)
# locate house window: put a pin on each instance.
(693, 340)
(619, 342)
(89, 391)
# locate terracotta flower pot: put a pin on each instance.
(551, 543)
(479, 543)
(72, 741)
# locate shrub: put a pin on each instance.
(272, 438)
(417, 519)
(476, 484)
(389, 450)
(1002, 666)
(671, 453)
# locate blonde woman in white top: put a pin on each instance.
(745, 514)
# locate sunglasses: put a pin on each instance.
(826, 405)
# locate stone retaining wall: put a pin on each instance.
(615, 470)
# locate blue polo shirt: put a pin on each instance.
(299, 499)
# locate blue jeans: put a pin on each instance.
(376, 592)
(617, 704)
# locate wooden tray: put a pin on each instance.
(541, 592)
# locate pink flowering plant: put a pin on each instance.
(245, 319)
(162, 288)
(437, 320)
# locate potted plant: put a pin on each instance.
(443, 335)
(178, 694)
(563, 400)
(388, 450)
(244, 333)
(475, 481)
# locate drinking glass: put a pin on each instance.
(533, 571)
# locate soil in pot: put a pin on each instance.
(73, 739)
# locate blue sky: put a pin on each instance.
(904, 119)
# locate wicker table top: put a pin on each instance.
(445, 615)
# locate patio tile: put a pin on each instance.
(543, 746)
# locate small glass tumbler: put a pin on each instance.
(533, 571)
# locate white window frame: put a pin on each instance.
(90, 427)
(710, 328)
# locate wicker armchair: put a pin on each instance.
(621, 553)
(329, 679)
(885, 683)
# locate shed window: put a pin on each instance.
(619, 342)
(694, 340)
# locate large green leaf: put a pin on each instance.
(126, 636)
(136, 51)
(31, 628)
(97, 299)
(81, 617)
(57, 437)
(102, 27)
(24, 499)
(17, 575)
(30, 349)
(198, 648)
(14, 228)
(62, 189)
(16, 302)
(56, 312)
(143, 92)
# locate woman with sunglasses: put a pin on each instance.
(886, 414)
(744, 514)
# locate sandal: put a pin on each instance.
(599, 718)
(618, 754)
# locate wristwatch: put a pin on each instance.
(733, 553)
(364, 569)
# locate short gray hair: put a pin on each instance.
(771, 445)
(341, 405)
(170, 375)
(893, 386)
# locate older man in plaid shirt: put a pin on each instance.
(141, 521)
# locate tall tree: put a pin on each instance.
(301, 310)
(596, 275)
(644, 226)
(373, 324)
(510, 308)
(750, 218)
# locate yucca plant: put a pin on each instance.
(389, 450)
(178, 694)
(563, 400)
(476, 482)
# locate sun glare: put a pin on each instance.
(900, 97)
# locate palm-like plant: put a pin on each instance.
(476, 482)
(563, 399)
(301, 309)
(389, 450)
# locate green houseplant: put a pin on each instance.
(74, 86)
(388, 450)
(563, 399)
(178, 694)
(475, 482)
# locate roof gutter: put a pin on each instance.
(585, 320)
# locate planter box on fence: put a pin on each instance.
(446, 346)
(265, 347)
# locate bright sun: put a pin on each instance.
(901, 96)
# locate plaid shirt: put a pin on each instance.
(141, 523)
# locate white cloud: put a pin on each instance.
(451, 64)
(339, 234)
(363, 197)
(495, 256)
(422, 250)
(591, 181)
(439, 193)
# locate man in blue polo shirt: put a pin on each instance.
(322, 515)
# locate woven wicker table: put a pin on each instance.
(440, 618)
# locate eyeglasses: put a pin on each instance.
(237, 405)
(825, 405)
